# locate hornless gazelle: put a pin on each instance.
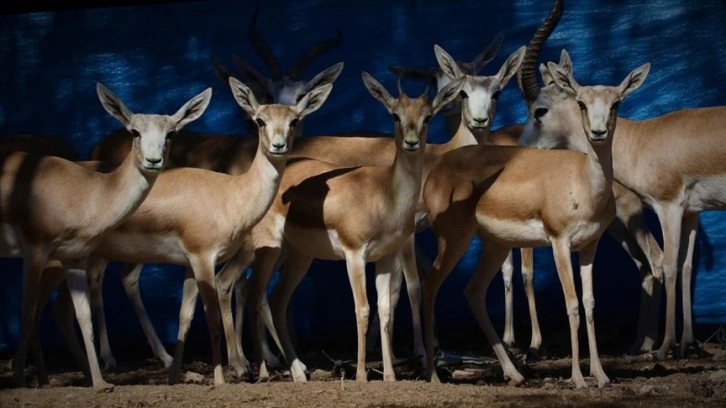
(53, 209)
(519, 197)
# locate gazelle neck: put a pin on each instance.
(258, 185)
(600, 170)
(126, 189)
(465, 136)
(406, 175)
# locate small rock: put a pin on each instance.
(192, 377)
(719, 355)
(647, 390)
(718, 376)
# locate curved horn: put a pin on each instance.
(398, 83)
(526, 75)
(221, 71)
(322, 47)
(486, 56)
(263, 48)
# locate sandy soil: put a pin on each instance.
(636, 381)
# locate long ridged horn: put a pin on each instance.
(263, 48)
(322, 47)
(526, 75)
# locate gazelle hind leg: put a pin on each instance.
(291, 274)
(527, 255)
(507, 274)
(690, 228)
(452, 245)
(489, 263)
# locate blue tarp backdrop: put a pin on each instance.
(155, 57)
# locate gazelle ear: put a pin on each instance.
(193, 109)
(377, 90)
(546, 74)
(244, 96)
(113, 104)
(510, 66)
(447, 64)
(446, 95)
(563, 79)
(565, 61)
(634, 80)
(327, 76)
(313, 100)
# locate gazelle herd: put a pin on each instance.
(155, 193)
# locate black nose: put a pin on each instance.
(279, 145)
(481, 120)
(598, 132)
(154, 161)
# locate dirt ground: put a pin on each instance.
(698, 381)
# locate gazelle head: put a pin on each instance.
(277, 123)
(436, 76)
(282, 87)
(563, 109)
(411, 116)
(479, 94)
(152, 133)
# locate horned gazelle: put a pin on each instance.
(55, 209)
(676, 189)
(518, 197)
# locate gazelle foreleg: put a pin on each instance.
(563, 263)
(384, 269)
(671, 220)
(690, 229)
(77, 282)
(232, 276)
(587, 259)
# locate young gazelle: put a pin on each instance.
(55, 209)
(319, 213)
(175, 224)
(518, 197)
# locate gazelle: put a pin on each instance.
(628, 227)
(319, 214)
(518, 197)
(349, 151)
(195, 217)
(692, 180)
(55, 209)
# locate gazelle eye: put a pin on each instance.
(583, 107)
(496, 95)
(171, 134)
(539, 112)
(427, 119)
(294, 122)
(396, 117)
(615, 106)
(260, 122)
(135, 133)
(463, 95)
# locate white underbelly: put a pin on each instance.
(327, 244)
(143, 248)
(517, 233)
